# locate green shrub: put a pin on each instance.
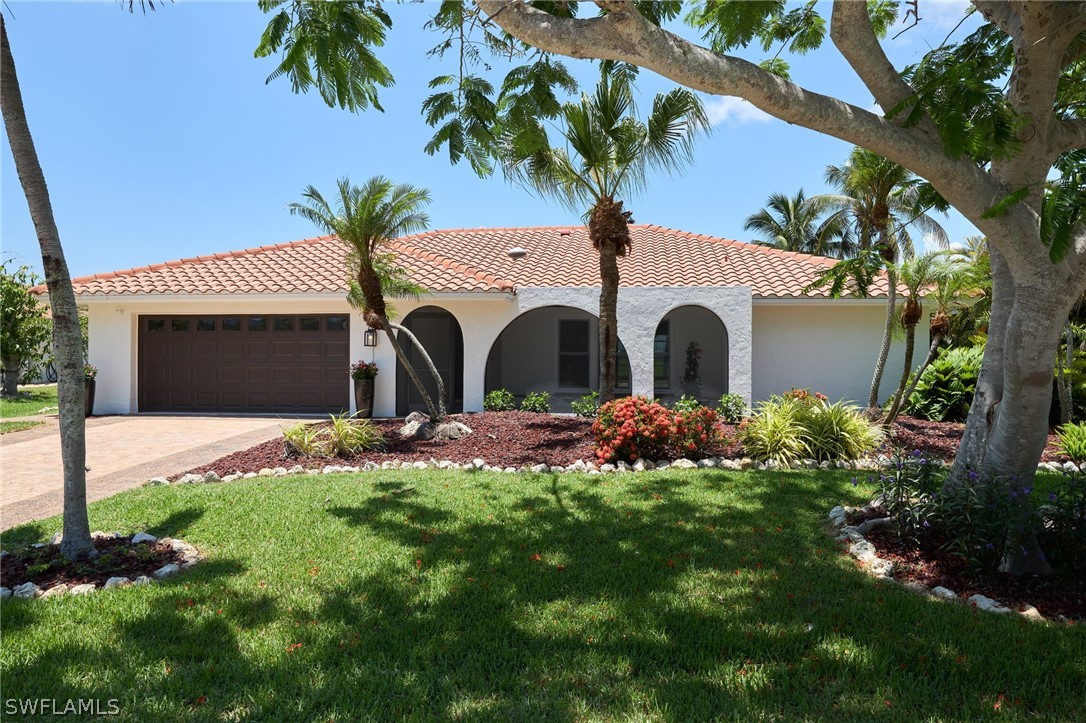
(343, 436)
(945, 389)
(686, 404)
(775, 431)
(634, 428)
(301, 438)
(1072, 441)
(536, 402)
(731, 408)
(803, 425)
(1063, 534)
(586, 406)
(499, 400)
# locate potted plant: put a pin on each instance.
(89, 374)
(363, 373)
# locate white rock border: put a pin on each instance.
(865, 553)
(189, 557)
(579, 466)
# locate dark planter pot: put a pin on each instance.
(88, 397)
(363, 397)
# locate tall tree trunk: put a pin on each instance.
(11, 377)
(608, 322)
(910, 346)
(933, 351)
(887, 334)
(438, 414)
(67, 340)
(1063, 376)
(1008, 422)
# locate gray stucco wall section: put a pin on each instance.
(640, 311)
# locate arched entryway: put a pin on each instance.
(439, 333)
(552, 349)
(690, 356)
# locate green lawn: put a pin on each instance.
(6, 427)
(673, 596)
(30, 401)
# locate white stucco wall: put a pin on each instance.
(772, 346)
(829, 347)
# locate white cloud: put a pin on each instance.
(728, 109)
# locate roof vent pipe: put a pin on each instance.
(516, 253)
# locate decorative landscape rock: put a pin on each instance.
(116, 582)
(56, 591)
(5, 593)
(143, 537)
(85, 589)
(27, 591)
(158, 481)
(684, 463)
(865, 552)
(166, 571)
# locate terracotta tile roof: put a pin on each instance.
(476, 260)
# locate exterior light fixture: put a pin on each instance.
(369, 337)
(516, 253)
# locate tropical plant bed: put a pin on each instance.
(504, 439)
(932, 566)
(517, 439)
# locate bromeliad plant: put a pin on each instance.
(802, 424)
(342, 436)
(90, 371)
(363, 370)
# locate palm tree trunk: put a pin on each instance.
(887, 333)
(1063, 380)
(910, 346)
(11, 377)
(608, 321)
(933, 351)
(438, 414)
(67, 341)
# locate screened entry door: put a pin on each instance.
(440, 335)
(244, 363)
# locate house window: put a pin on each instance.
(205, 325)
(283, 323)
(179, 324)
(573, 353)
(310, 323)
(231, 324)
(622, 369)
(258, 323)
(336, 323)
(156, 325)
(661, 355)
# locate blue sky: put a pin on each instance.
(160, 140)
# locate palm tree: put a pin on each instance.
(884, 200)
(919, 274)
(606, 155)
(366, 218)
(802, 225)
(67, 340)
(952, 286)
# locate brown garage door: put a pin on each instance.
(244, 363)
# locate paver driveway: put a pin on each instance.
(122, 452)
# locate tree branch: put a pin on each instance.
(627, 36)
(1068, 135)
(854, 36)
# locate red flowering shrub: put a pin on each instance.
(633, 428)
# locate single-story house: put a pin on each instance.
(268, 330)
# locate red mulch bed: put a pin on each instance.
(46, 567)
(932, 566)
(513, 439)
(506, 439)
(940, 439)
